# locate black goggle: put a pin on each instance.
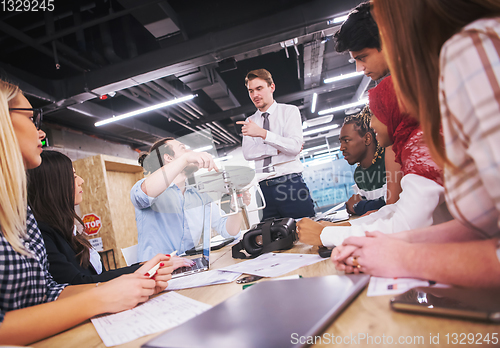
(36, 118)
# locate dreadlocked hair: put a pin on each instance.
(362, 123)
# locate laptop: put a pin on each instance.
(268, 314)
(201, 263)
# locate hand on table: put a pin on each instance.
(124, 292)
(309, 231)
(377, 254)
(343, 260)
(351, 201)
(164, 272)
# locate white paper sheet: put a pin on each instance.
(273, 264)
(392, 286)
(202, 279)
(158, 314)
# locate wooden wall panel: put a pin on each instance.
(108, 181)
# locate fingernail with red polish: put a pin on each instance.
(162, 264)
(167, 255)
(147, 274)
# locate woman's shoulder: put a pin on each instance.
(48, 232)
(46, 228)
(487, 27)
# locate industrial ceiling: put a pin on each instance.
(88, 60)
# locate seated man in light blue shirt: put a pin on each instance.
(170, 215)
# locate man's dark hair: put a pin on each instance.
(358, 32)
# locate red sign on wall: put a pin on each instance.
(92, 224)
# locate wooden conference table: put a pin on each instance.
(365, 315)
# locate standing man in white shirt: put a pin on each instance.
(272, 137)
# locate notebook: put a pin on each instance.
(268, 314)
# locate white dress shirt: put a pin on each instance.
(421, 204)
(284, 134)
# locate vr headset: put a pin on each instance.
(269, 235)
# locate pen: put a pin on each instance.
(153, 270)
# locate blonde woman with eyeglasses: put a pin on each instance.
(33, 306)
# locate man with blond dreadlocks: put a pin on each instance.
(359, 145)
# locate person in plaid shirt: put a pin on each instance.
(32, 305)
(444, 56)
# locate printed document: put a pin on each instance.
(273, 264)
(202, 279)
(158, 314)
(392, 286)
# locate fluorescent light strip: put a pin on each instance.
(320, 152)
(315, 147)
(319, 130)
(204, 148)
(313, 106)
(225, 158)
(340, 19)
(343, 77)
(343, 107)
(141, 111)
(318, 162)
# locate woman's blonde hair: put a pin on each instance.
(412, 34)
(13, 176)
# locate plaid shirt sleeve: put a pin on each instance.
(470, 109)
(25, 280)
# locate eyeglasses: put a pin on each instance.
(37, 115)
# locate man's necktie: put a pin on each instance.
(267, 160)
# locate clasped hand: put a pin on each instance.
(377, 254)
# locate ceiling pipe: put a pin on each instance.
(169, 88)
(222, 134)
(218, 125)
(68, 31)
(214, 134)
(30, 42)
(210, 48)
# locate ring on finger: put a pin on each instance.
(355, 262)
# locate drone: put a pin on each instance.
(228, 185)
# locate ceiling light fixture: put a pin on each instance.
(343, 107)
(317, 121)
(340, 19)
(315, 148)
(343, 77)
(144, 110)
(319, 130)
(313, 106)
(225, 158)
(204, 148)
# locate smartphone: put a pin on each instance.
(464, 303)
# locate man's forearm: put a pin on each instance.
(233, 224)
(464, 264)
(447, 232)
(161, 179)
